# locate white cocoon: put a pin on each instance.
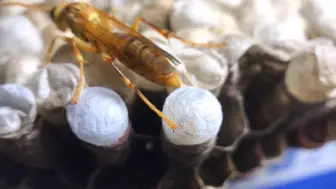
(310, 76)
(126, 11)
(17, 108)
(39, 19)
(230, 3)
(17, 35)
(194, 14)
(15, 10)
(155, 14)
(101, 4)
(236, 46)
(283, 8)
(311, 44)
(206, 70)
(54, 86)
(197, 114)
(197, 35)
(254, 13)
(21, 68)
(283, 37)
(228, 24)
(321, 15)
(319, 40)
(100, 117)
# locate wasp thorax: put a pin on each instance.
(75, 8)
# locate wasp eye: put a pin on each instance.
(52, 12)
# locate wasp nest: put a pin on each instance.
(254, 76)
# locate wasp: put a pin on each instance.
(95, 32)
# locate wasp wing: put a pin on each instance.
(115, 23)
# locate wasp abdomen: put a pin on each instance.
(138, 52)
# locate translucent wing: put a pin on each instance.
(115, 23)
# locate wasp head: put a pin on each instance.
(66, 14)
(57, 16)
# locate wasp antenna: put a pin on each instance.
(35, 7)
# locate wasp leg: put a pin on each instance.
(76, 44)
(84, 46)
(47, 57)
(139, 93)
(80, 61)
(136, 24)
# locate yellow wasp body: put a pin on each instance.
(132, 49)
(97, 32)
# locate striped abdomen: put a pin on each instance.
(145, 61)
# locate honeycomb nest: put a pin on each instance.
(246, 136)
(261, 119)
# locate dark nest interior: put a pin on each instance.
(147, 163)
